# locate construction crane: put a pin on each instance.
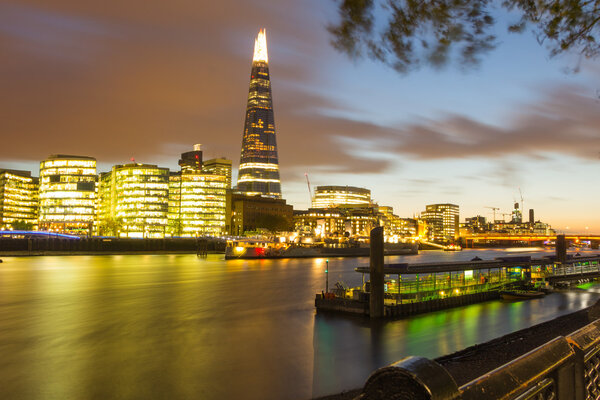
(504, 216)
(309, 190)
(494, 209)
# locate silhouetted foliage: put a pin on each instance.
(274, 223)
(408, 33)
(111, 227)
(22, 225)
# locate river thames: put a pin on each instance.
(183, 327)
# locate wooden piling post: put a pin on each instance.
(376, 273)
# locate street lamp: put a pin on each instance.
(326, 276)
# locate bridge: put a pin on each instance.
(469, 239)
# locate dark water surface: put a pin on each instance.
(182, 327)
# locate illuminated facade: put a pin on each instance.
(259, 166)
(18, 200)
(218, 166)
(397, 227)
(134, 201)
(341, 196)
(252, 213)
(336, 221)
(197, 204)
(442, 221)
(67, 194)
(192, 160)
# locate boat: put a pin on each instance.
(249, 248)
(453, 247)
(521, 294)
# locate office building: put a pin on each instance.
(341, 196)
(134, 201)
(191, 161)
(254, 213)
(18, 200)
(218, 166)
(197, 204)
(67, 194)
(442, 221)
(336, 222)
(258, 173)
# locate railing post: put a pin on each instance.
(547, 371)
(586, 343)
(415, 378)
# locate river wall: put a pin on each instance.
(59, 246)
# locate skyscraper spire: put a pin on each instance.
(259, 165)
(260, 47)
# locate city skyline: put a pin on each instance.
(112, 84)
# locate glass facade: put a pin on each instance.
(133, 201)
(442, 220)
(259, 166)
(18, 200)
(197, 204)
(218, 166)
(67, 194)
(341, 196)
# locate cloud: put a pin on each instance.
(115, 80)
(565, 120)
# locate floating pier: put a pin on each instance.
(400, 290)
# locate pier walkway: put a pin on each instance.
(417, 288)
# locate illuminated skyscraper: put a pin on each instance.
(192, 160)
(259, 166)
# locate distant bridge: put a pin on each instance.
(531, 238)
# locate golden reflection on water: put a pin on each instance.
(180, 327)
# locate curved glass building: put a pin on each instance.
(259, 166)
(341, 196)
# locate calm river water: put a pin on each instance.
(182, 327)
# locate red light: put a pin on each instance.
(196, 156)
(259, 251)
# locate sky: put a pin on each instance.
(147, 79)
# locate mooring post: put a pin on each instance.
(561, 249)
(376, 272)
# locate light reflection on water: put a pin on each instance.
(178, 327)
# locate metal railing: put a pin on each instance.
(576, 268)
(566, 368)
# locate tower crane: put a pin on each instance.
(309, 190)
(494, 209)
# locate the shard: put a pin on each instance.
(259, 167)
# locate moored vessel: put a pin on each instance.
(521, 294)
